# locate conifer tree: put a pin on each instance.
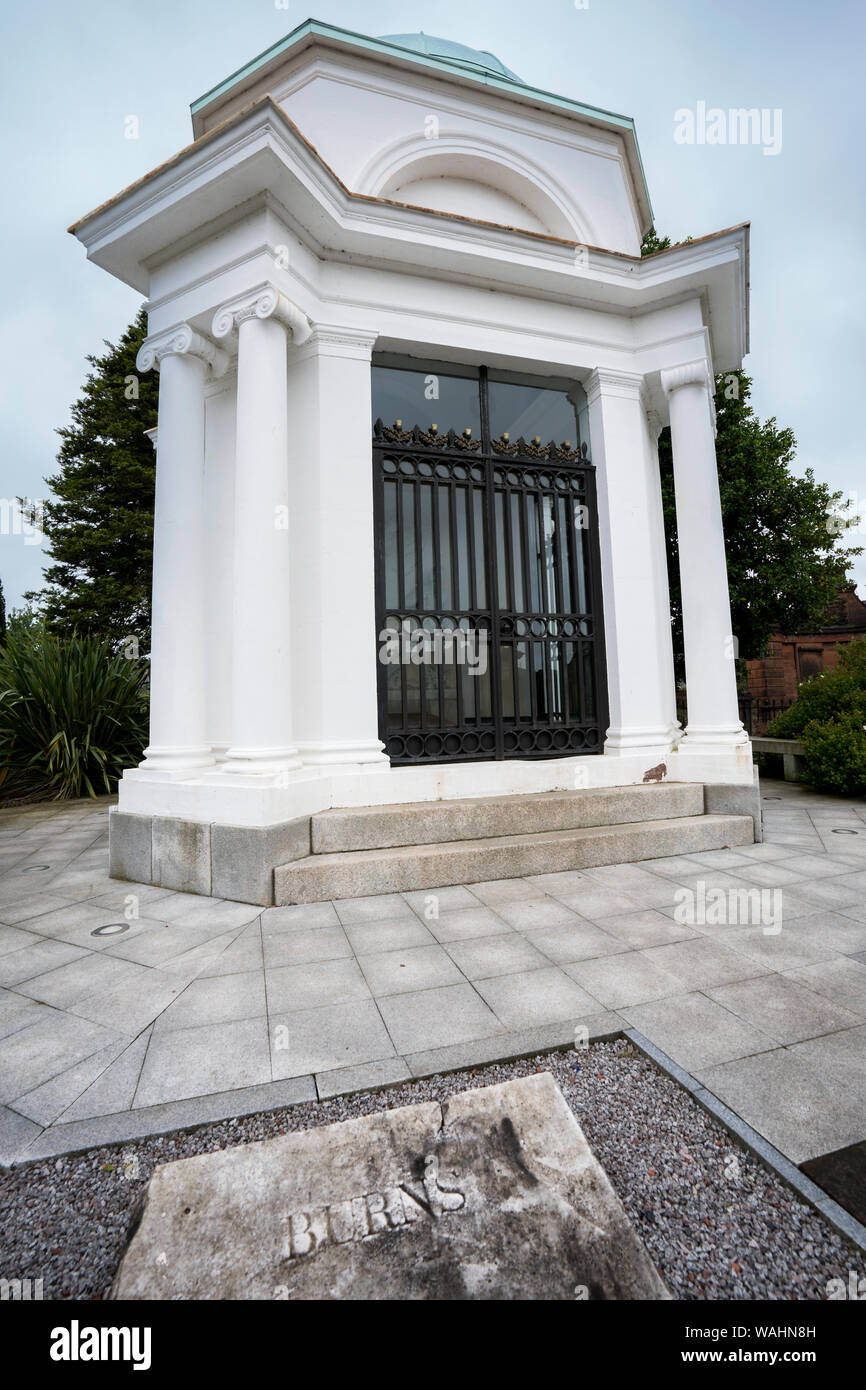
(99, 519)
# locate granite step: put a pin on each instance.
(400, 869)
(482, 818)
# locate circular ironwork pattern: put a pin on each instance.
(559, 482)
(443, 622)
(410, 466)
(481, 743)
(550, 742)
(569, 629)
(450, 744)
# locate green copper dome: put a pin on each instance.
(478, 59)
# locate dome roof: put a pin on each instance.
(458, 53)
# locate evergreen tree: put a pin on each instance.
(99, 520)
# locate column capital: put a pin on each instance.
(606, 381)
(180, 341)
(264, 302)
(687, 374)
(696, 373)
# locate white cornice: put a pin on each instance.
(261, 150)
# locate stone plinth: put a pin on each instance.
(493, 1195)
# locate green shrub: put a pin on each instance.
(828, 717)
(73, 715)
(826, 697)
(836, 755)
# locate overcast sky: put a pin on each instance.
(73, 71)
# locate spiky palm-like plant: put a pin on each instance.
(73, 715)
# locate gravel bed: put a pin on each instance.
(716, 1223)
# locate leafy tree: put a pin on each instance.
(27, 621)
(99, 519)
(652, 242)
(786, 563)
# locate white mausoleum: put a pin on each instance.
(409, 547)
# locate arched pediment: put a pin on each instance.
(485, 181)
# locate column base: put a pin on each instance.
(631, 743)
(177, 760)
(260, 762)
(332, 754)
(714, 738)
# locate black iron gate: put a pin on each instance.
(488, 596)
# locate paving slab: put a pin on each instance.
(493, 1195)
(803, 1109)
(842, 979)
(320, 1040)
(496, 955)
(419, 967)
(437, 1017)
(466, 924)
(696, 1031)
(616, 981)
(536, 996)
(186, 1062)
(783, 1008)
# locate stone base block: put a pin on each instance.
(222, 861)
(736, 800)
(243, 858)
(130, 846)
(181, 855)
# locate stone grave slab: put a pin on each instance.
(494, 1194)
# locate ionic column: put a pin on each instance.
(178, 653)
(634, 568)
(713, 715)
(262, 742)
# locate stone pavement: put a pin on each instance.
(203, 1009)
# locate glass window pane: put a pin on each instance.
(533, 411)
(533, 547)
(480, 550)
(409, 566)
(427, 570)
(445, 546)
(463, 596)
(517, 554)
(426, 396)
(392, 577)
